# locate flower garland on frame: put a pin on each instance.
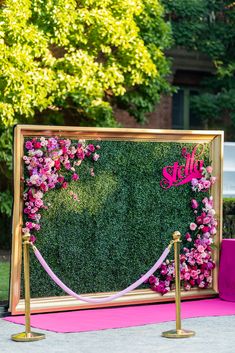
(51, 163)
(196, 263)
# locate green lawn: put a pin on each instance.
(4, 280)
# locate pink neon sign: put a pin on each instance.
(176, 174)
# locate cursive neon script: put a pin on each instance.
(177, 174)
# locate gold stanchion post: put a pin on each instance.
(178, 332)
(27, 336)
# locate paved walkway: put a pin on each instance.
(213, 335)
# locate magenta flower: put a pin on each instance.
(28, 145)
(75, 176)
(60, 179)
(91, 148)
(194, 204)
(57, 164)
(199, 220)
(32, 239)
(152, 279)
(188, 237)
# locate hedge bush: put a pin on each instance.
(229, 218)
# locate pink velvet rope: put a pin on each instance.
(100, 300)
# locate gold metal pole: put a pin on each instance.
(27, 336)
(178, 332)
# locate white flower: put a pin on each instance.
(34, 178)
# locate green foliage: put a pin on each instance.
(207, 26)
(78, 54)
(64, 61)
(5, 171)
(5, 203)
(4, 278)
(229, 218)
(121, 225)
(203, 25)
(142, 98)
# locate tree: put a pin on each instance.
(208, 27)
(73, 61)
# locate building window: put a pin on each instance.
(182, 115)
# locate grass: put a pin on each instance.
(4, 280)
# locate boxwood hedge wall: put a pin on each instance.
(121, 225)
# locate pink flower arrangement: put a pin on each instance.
(46, 160)
(205, 182)
(196, 260)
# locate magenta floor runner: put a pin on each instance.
(101, 319)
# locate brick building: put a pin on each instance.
(188, 71)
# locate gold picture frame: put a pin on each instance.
(139, 296)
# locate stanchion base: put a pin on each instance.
(28, 337)
(178, 334)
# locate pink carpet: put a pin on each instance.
(101, 319)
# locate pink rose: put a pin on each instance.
(205, 229)
(200, 248)
(80, 154)
(91, 148)
(64, 185)
(44, 187)
(28, 145)
(32, 238)
(206, 184)
(96, 156)
(213, 230)
(209, 169)
(163, 269)
(38, 203)
(67, 166)
(60, 179)
(194, 274)
(57, 164)
(201, 284)
(187, 276)
(192, 226)
(75, 176)
(37, 144)
(206, 220)
(188, 237)
(199, 220)
(37, 226)
(194, 204)
(194, 182)
(152, 279)
(213, 180)
(187, 286)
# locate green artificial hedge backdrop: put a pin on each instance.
(120, 226)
